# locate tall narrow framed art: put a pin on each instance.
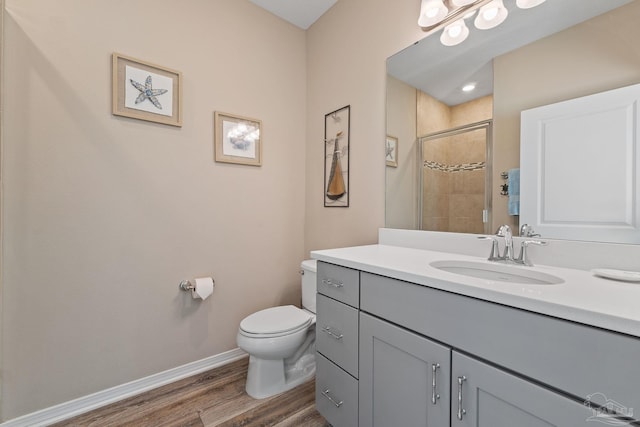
(336, 157)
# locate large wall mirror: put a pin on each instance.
(454, 148)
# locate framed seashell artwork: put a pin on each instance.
(237, 139)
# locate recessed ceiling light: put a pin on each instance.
(468, 87)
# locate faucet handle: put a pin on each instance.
(522, 258)
(526, 243)
(504, 231)
(527, 231)
(495, 252)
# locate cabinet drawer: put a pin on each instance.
(339, 283)
(337, 333)
(336, 394)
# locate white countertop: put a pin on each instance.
(582, 298)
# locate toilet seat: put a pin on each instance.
(275, 322)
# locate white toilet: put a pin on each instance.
(281, 342)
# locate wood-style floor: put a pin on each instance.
(215, 398)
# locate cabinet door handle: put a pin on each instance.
(326, 394)
(327, 330)
(434, 395)
(461, 411)
(330, 282)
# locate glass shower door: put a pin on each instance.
(454, 187)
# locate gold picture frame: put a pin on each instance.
(237, 139)
(391, 151)
(146, 91)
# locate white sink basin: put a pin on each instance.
(497, 272)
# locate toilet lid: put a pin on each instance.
(275, 320)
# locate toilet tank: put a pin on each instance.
(309, 284)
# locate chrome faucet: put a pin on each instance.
(504, 231)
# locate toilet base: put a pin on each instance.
(266, 378)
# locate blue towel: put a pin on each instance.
(514, 191)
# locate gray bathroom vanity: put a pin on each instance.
(401, 343)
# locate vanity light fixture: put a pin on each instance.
(454, 33)
(491, 15)
(432, 12)
(450, 15)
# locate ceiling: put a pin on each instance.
(301, 13)
(441, 71)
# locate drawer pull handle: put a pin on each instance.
(434, 395)
(326, 394)
(461, 412)
(328, 330)
(330, 282)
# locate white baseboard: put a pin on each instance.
(93, 401)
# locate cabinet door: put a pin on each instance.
(485, 396)
(404, 377)
(560, 145)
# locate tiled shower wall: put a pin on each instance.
(454, 172)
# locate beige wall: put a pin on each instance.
(346, 50)
(598, 55)
(433, 115)
(104, 215)
(401, 182)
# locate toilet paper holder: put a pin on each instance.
(186, 285)
(201, 288)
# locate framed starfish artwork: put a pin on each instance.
(237, 139)
(391, 150)
(145, 91)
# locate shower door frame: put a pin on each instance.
(487, 125)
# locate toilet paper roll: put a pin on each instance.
(203, 287)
